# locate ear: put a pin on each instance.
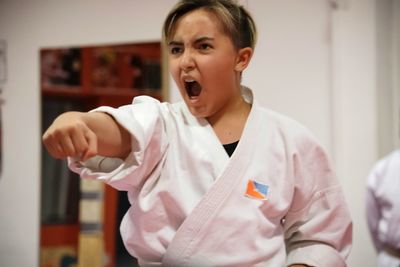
(243, 58)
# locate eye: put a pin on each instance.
(175, 50)
(205, 46)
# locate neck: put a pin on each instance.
(236, 106)
(229, 121)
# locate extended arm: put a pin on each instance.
(83, 135)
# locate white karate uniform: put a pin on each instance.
(383, 207)
(188, 203)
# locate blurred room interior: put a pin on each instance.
(333, 65)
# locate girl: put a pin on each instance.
(215, 180)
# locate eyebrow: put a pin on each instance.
(198, 40)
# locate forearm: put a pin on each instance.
(112, 139)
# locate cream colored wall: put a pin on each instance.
(312, 62)
(355, 112)
(388, 74)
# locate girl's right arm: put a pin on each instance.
(84, 135)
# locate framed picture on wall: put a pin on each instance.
(129, 66)
(128, 69)
(61, 67)
(80, 79)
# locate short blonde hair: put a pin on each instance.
(236, 21)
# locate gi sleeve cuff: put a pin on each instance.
(316, 255)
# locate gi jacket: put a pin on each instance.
(275, 202)
(383, 206)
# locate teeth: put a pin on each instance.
(189, 80)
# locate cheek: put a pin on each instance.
(222, 62)
(219, 70)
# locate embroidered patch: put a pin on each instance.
(256, 190)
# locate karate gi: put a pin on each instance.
(275, 202)
(383, 208)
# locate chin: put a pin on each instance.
(197, 112)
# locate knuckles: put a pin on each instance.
(70, 138)
(60, 132)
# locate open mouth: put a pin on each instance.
(193, 88)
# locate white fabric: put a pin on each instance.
(188, 197)
(386, 260)
(383, 205)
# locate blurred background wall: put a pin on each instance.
(332, 65)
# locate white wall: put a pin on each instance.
(355, 111)
(312, 63)
(290, 72)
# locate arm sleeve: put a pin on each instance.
(373, 210)
(144, 121)
(318, 227)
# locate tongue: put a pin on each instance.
(195, 90)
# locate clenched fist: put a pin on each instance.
(70, 136)
(84, 135)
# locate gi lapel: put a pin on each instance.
(184, 242)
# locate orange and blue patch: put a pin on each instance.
(256, 190)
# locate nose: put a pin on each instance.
(187, 62)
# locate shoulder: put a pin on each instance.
(383, 165)
(144, 112)
(153, 107)
(389, 160)
(289, 129)
(148, 100)
(392, 158)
